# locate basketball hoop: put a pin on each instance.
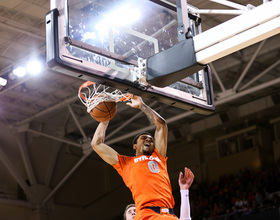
(100, 93)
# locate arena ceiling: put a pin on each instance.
(46, 131)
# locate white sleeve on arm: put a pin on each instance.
(185, 211)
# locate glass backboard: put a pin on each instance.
(109, 42)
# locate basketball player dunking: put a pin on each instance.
(146, 173)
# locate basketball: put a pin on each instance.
(104, 111)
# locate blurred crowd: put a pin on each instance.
(245, 193)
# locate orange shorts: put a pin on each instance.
(148, 214)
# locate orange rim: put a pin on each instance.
(125, 98)
(84, 85)
(89, 83)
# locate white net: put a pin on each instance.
(93, 94)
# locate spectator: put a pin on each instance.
(233, 196)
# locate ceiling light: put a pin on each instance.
(34, 67)
(3, 82)
(19, 71)
(118, 18)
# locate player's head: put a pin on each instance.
(143, 143)
(129, 212)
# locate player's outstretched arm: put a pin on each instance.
(157, 120)
(108, 154)
(185, 182)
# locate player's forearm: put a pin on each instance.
(152, 115)
(161, 129)
(99, 134)
(185, 211)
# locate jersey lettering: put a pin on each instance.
(153, 166)
(142, 158)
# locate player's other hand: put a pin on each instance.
(136, 102)
(186, 181)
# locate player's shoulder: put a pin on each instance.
(125, 158)
(156, 152)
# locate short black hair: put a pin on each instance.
(136, 138)
(126, 208)
(138, 135)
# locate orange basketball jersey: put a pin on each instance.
(147, 178)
